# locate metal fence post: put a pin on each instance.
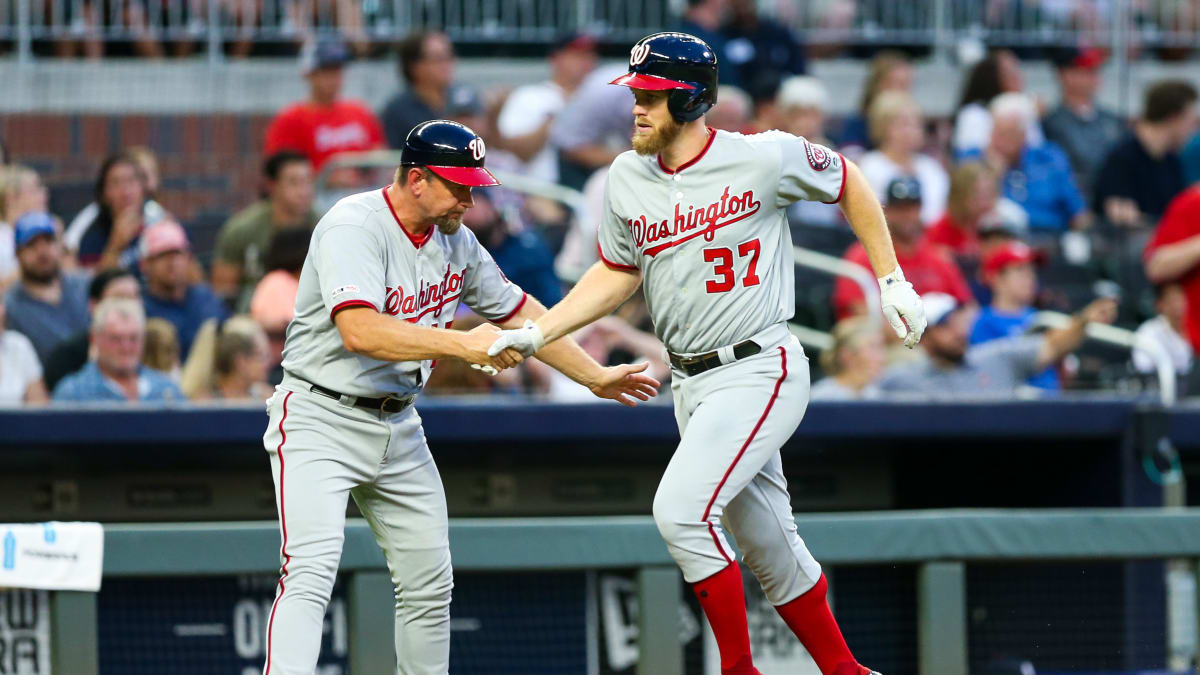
(943, 35)
(74, 643)
(1120, 53)
(659, 652)
(942, 618)
(372, 609)
(215, 52)
(24, 32)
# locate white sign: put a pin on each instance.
(24, 632)
(52, 556)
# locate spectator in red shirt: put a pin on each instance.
(974, 190)
(1173, 254)
(926, 266)
(324, 126)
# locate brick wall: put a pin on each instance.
(210, 164)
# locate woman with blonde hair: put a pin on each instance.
(21, 191)
(854, 363)
(228, 362)
(897, 127)
(890, 70)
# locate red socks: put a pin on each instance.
(810, 619)
(724, 603)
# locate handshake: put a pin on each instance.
(491, 349)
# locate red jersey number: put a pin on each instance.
(723, 269)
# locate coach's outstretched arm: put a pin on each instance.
(901, 304)
(601, 290)
(623, 383)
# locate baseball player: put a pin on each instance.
(385, 272)
(697, 217)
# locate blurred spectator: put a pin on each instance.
(1009, 273)
(1036, 177)
(20, 369)
(427, 65)
(759, 49)
(854, 363)
(522, 256)
(1173, 255)
(147, 161)
(732, 112)
(1191, 160)
(72, 354)
(898, 131)
(594, 127)
(1083, 129)
(1143, 173)
(950, 367)
(21, 191)
(169, 292)
(889, 71)
(116, 374)
(274, 298)
(578, 252)
(1167, 330)
(926, 266)
(600, 339)
(704, 19)
(243, 240)
(998, 73)
(800, 108)
(325, 125)
(974, 190)
(525, 119)
(161, 351)
(87, 18)
(47, 305)
(105, 233)
(229, 362)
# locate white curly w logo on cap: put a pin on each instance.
(477, 148)
(639, 53)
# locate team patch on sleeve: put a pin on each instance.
(342, 290)
(819, 156)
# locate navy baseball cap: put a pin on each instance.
(325, 53)
(573, 40)
(904, 190)
(31, 226)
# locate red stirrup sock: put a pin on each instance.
(810, 619)
(724, 603)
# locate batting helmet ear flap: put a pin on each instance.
(687, 105)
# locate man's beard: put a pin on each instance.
(40, 276)
(448, 224)
(658, 139)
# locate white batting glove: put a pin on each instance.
(527, 339)
(487, 370)
(902, 307)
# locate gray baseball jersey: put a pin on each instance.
(360, 255)
(712, 237)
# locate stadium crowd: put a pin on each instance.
(1009, 208)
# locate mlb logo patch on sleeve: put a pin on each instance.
(342, 290)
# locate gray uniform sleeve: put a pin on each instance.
(615, 241)
(349, 265)
(1017, 353)
(485, 288)
(808, 171)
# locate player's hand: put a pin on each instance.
(525, 340)
(902, 307)
(626, 384)
(476, 344)
(1102, 310)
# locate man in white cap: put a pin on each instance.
(997, 368)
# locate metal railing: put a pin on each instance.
(936, 23)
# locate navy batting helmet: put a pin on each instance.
(678, 62)
(450, 150)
